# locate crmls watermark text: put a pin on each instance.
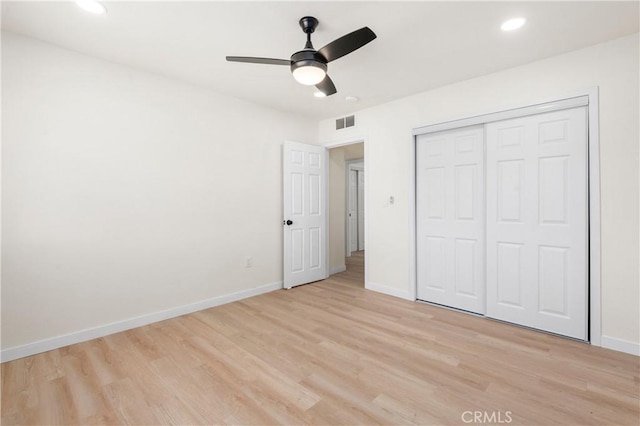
(486, 417)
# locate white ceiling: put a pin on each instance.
(420, 45)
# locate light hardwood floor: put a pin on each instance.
(325, 353)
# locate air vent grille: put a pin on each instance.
(345, 122)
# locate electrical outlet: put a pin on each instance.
(248, 262)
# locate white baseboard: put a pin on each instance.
(116, 327)
(620, 345)
(337, 269)
(391, 291)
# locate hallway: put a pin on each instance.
(354, 275)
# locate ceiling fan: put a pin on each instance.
(309, 66)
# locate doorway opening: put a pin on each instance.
(347, 212)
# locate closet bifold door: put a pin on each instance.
(450, 218)
(537, 221)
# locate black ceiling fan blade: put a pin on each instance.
(347, 44)
(326, 86)
(252, 60)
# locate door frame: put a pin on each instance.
(349, 166)
(588, 98)
(344, 142)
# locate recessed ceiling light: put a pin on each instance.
(512, 24)
(352, 99)
(92, 6)
(319, 94)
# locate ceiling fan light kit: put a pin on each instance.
(309, 66)
(309, 75)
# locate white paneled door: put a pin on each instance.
(537, 260)
(304, 194)
(450, 218)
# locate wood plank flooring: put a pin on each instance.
(325, 353)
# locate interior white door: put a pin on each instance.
(305, 229)
(450, 218)
(360, 209)
(352, 211)
(537, 221)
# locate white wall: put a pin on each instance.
(612, 66)
(336, 209)
(125, 193)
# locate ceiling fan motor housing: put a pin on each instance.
(308, 58)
